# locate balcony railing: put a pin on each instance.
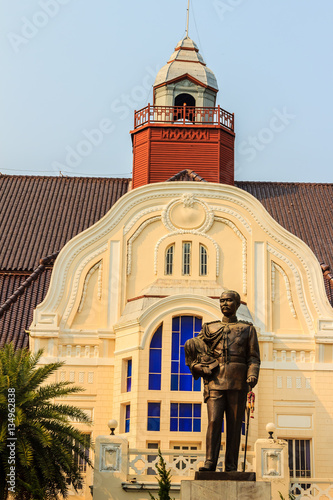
(183, 115)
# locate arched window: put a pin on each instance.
(180, 100)
(203, 260)
(183, 328)
(155, 361)
(169, 259)
(186, 264)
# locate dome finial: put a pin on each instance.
(188, 18)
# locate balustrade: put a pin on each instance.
(184, 115)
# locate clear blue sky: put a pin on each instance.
(69, 66)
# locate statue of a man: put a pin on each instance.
(226, 355)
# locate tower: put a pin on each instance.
(183, 129)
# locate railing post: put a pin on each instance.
(218, 115)
(149, 112)
(233, 118)
(135, 119)
(184, 111)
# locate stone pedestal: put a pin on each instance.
(226, 490)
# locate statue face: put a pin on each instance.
(228, 304)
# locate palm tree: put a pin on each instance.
(38, 443)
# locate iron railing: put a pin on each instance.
(184, 115)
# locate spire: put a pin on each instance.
(188, 18)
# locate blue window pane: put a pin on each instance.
(196, 425)
(175, 324)
(154, 382)
(185, 382)
(175, 346)
(185, 410)
(197, 324)
(127, 426)
(129, 367)
(154, 409)
(174, 382)
(156, 341)
(174, 410)
(173, 424)
(183, 367)
(129, 385)
(196, 410)
(174, 366)
(155, 360)
(243, 428)
(186, 328)
(197, 384)
(223, 425)
(128, 411)
(153, 424)
(185, 424)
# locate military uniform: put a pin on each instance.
(234, 345)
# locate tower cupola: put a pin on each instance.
(185, 79)
(183, 129)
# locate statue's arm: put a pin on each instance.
(253, 358)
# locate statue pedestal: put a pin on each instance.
(228, 490)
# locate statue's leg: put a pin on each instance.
(235, 410)
(216, 405)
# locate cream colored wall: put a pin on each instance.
(90, 320)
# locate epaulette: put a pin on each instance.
(210, 322)
(246, 322)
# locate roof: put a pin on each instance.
(186, 60)
(304, 209)
(38, 215)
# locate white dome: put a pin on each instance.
(186, 60)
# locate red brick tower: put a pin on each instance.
(183, 129)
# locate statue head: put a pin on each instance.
(229, 302)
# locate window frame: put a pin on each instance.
(169, 260)
(203, 265)
(186, 258)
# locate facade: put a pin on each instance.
(128, 291)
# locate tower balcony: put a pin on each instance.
(184, 115)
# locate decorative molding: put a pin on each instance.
(188, 200)
(298, 284)
(76, 281)
(192, 232)
(134, 236)
(244, 248)
(94, 268)
(237, 215)
(141, 214)
(275, 266)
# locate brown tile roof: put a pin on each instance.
(18, 318)
(186, 175)
(304, 209)
(38, 215)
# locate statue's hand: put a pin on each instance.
(201, 370)
(252, 381)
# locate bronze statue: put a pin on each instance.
(226, 355)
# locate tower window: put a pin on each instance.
(203, 260)
(185, 417)
(155, 361)
(154, 416)
(169, 260)
(180, 100)
(299, 457)
(186, 258)
(183, 329)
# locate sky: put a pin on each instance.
(74, 72)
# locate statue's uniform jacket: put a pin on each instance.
(237, 354)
